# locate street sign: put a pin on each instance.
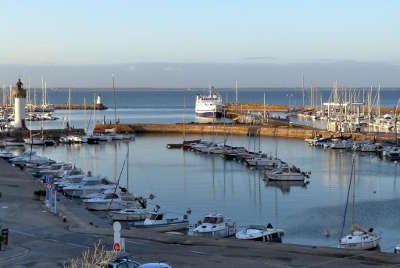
(117, 236)
(117, 247)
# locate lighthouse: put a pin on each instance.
(19, 105)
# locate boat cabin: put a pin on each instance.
(157, 216)
(213, 219)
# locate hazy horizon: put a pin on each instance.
(201, 75)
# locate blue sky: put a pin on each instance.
(104, 32)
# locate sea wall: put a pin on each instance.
(295, 132)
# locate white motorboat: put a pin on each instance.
(263, 162)
(73, 139)
(158, 222)
(215, 225)
(88, 185)
(69, 180)
(131, 214)
(110, 201)
(341, 144)
(6, 155)
(360, 239)
(285, 174)
(261, 233)
(34, 141)
(11, 143)
(392, 153)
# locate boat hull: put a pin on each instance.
(209, 114)
(170, 227)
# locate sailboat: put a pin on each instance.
(359, 238)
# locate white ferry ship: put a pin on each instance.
(210, 105)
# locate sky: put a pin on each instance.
(92, 35)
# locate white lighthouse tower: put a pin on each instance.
(19, 105)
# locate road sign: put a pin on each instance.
(117, 247)
(117, 236)
(117, 226)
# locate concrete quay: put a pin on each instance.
(40, 239)
(273, 129)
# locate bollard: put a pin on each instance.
(4, 233)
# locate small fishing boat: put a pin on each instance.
(88, 185)
(393, 153)
(108, 201)
(215, 225)
(131, 214)
(6, 155)
(159, 223)
(261, 233)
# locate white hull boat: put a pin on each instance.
(215, 225)
(360, 239)
(261, 233)
(131, 214)
(157, 222)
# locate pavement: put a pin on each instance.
(40, 239)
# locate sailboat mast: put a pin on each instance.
(45, 93)
(354, 195)
(347, 198)
(184, 117)
(127, 168)
(302, 86)
(236, 92)
(69, 107)
(84, 109)
(94, 111)
(115, 99)
(264, 105)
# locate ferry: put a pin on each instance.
(210, 105)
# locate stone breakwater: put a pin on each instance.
(282, 131)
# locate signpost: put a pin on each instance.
(117, 236)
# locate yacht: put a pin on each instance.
(215, 225)
(261, 233)
(210, 105)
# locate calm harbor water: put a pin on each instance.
(182, 180)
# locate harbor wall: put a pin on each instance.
(296, 132)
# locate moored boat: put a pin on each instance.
(215, 225)
(261, 233)
(159, 223)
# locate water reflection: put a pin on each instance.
(285, 186)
